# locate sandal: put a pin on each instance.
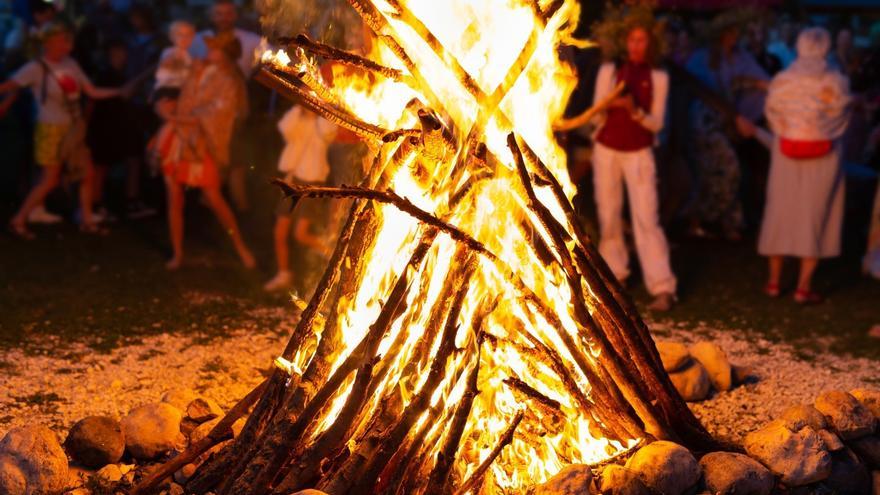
(21, 231)
(772, 290)
(807, 297)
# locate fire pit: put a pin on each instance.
(466, 336)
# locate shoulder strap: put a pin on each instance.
(68, 104)
(44, 86)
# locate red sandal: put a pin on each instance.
(807, 297)
(772, 290)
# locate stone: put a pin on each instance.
(95, 441)
(575, 479)
(152, 430)
(797, 457)
(12, 478)
(728, 473)
(178, 397)
(307, 492)
(832, 442)
(110, 472)
(175, 489)
(848, 417)
(743, 374)
(674, 355)
(807, 415)
(692, 382)
(618, 480)
(713, 358)
(35, 451)
(203, 429)
(869, 398)
(868, 449)
(202, 409)
(848, 475)
(666, 468)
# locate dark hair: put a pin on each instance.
(115, 44)
(41, 6)
(145, 13)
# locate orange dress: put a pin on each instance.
(193, 154)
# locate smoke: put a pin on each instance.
(331, 21)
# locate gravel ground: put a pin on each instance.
(57, 390)
(784, 376)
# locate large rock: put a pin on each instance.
(618, 480)
(806, 415)
(848, 417)
(870, 398)
(32, 462)
(727, 473)
(674, 355)
(95, 441)
(152, 430)
(797, 457)
(178, 397)
(203, 409)
(715, 361)
(692, 382)
(575, 479)
(832, 442)
(666, 468)
(868, 449)
(848, 475)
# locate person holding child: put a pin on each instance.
(193, 144)
(58, 83)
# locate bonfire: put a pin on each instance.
(466, 337)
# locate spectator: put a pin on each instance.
(24, 42)
(110, 137)
(194, 142)
(735, 77)
(224, 16)
(807, 108)
(756, 44)
(304, 161)
(59, 137)
(623, 155)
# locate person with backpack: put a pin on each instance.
(58, 84)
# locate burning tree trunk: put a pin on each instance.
(466, 335)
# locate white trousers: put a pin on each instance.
(611, 169)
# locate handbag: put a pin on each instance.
(804, 150)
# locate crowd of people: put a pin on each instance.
(762, 120)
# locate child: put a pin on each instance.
(175, 63)
(304, 160)
(59, 137)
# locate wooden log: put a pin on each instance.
(476, 478)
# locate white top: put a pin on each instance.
(307, 136)
(653, 121)
(250, 43)
(64, 85)
(175, 66)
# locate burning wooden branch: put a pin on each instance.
(476, 326)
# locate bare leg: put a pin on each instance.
(805, 278)
(282, 249)
(303, 235)
(224, 214)
(49, 181)
(175, 221)
(775, 273)
(238, 187)
(86, 203)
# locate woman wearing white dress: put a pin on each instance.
(807, 109)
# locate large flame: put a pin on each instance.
(486, 40)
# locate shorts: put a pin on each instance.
(62, 144)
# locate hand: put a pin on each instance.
(625, 102)
(745, 127)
